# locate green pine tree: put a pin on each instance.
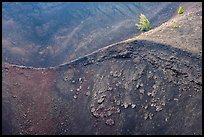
(180, 10)
(144, 24)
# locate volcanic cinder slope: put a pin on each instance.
(188, 35)
(131, 87)
(49, 34)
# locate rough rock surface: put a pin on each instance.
(137, 87)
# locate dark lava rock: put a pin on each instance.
(110, 122)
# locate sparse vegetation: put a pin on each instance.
(180, 10)
(174, 26)
(144, 24)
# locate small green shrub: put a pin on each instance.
(180, 10)
(174, 26)
(144, 24)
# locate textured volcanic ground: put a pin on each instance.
(151, 86)
(188, 35)
(49, 34)
(140, 87)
